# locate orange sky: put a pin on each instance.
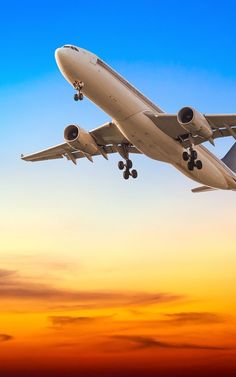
(85, 289)
(94, 289)
(50, 324)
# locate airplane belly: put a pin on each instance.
(104, 90)
(210, 175)
(146, 137)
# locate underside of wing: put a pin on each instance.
(63, 150)
(59, 151)
(221, 125)
(108, 139)
(108, 134)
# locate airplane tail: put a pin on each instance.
(230, 158)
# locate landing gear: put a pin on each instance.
(190, 165)
(186, 156)
(126, 174)
(134, 173)
(78, 85)
(191, 158)
(121, 165)
(78, 97)
(128, 164)
(198, 164)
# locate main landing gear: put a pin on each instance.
(128, 164)
(191, 158)
(78, 85)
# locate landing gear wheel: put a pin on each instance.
(194, 155)
(134, 173)
(129, 164)
(198, 164)
(185, 156)
(76, 97)
(190, 165)
(121, 165)
(126, 174)
(81, 96)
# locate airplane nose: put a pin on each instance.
(67, 62)
(60, 55)
(64, 58)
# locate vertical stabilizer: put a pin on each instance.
(230, 158)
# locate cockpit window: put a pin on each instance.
(72, 47)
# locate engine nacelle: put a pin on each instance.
(194, 122)
(80, 139)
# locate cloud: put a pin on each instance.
(82, 320)
(14, 287)
(6, 274)
(143, 342)
(5, 337)
(185, 318)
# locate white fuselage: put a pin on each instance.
(126, 105)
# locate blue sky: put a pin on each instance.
(199, 35)
(178, 53)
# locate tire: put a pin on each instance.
(198, 164)
(129, 164)
(185, 156)
(134, 173)
(121, 165)
(76, 97)
(194, 155)
(190, 165)
(81, 96)
(126, 174)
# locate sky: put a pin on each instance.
(100, 276)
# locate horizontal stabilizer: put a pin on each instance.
(203, 189)
(230, 158)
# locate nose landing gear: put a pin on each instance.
(127, 166)
(191, 158)
(78, 85)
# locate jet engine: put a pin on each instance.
(194, 122)
(80, 139)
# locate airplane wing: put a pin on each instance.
(107, 136)
(222, 126)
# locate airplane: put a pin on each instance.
(140, 126)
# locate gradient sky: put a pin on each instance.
(99, 276)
